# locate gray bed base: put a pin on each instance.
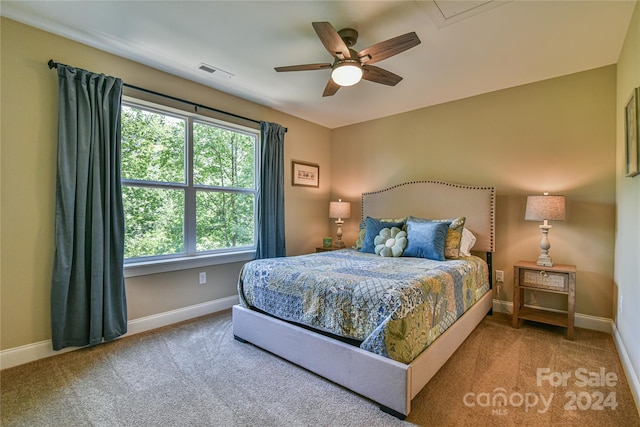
(387, 382)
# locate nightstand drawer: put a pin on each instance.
(543, 279)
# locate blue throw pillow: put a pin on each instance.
(373, 227)
(426, 239)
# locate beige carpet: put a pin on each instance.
(498, 360)
(196, 374)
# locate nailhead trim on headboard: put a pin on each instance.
(448, 184)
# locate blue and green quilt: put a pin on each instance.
(395, 307)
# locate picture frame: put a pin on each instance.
(305, 174)
(632, 133)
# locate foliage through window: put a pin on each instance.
(188, 183)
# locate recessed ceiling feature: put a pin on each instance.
(450, 9)
(447, 12)
(492, 45)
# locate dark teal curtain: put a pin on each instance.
(88, 303)
(271, 242)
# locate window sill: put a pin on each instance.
(164, 266)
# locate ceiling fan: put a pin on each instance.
(350, 66)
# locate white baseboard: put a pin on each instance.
(632, 377)
(585, 321)
(174, 316)
(39, 350)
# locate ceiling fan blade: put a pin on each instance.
(380, 75)
(388, 48)
(331, 39)
(331, 88)
(305, 67)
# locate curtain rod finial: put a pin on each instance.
(52, 64)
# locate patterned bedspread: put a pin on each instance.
(395, 307)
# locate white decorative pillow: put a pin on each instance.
(468, 240)
(390, 242)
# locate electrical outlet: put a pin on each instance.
(499, 276)
(203, 277)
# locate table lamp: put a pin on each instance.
(545, 208)
(339, 210)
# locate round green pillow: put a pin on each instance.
(390, 242)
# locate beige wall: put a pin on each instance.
(627, 266)
(557, 135)
(28, 153)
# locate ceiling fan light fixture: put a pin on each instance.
(348, 66)
(347, 73)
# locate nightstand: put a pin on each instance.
(323, 249)
(559, 279)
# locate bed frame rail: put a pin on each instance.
(387, 382)
(378, 378)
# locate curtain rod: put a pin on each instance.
(52, 64)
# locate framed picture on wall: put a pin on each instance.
(305, 174)
(632, 133)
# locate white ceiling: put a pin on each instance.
(492, 46)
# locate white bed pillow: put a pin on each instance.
(467, 242)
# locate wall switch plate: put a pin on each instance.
(499, 276)
(203, 278)
(619, 303)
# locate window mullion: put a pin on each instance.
(190, 196)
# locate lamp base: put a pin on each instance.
(544, 260)
(339, 244)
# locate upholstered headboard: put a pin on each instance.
(437, 200)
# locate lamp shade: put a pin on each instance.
(339, 209)
(540, 208)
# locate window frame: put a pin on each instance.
(191, 258)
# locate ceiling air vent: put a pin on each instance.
(216, 72)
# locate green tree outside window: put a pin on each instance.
(178, 204)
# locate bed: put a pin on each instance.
(422, 309)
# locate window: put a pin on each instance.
(189, 184)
